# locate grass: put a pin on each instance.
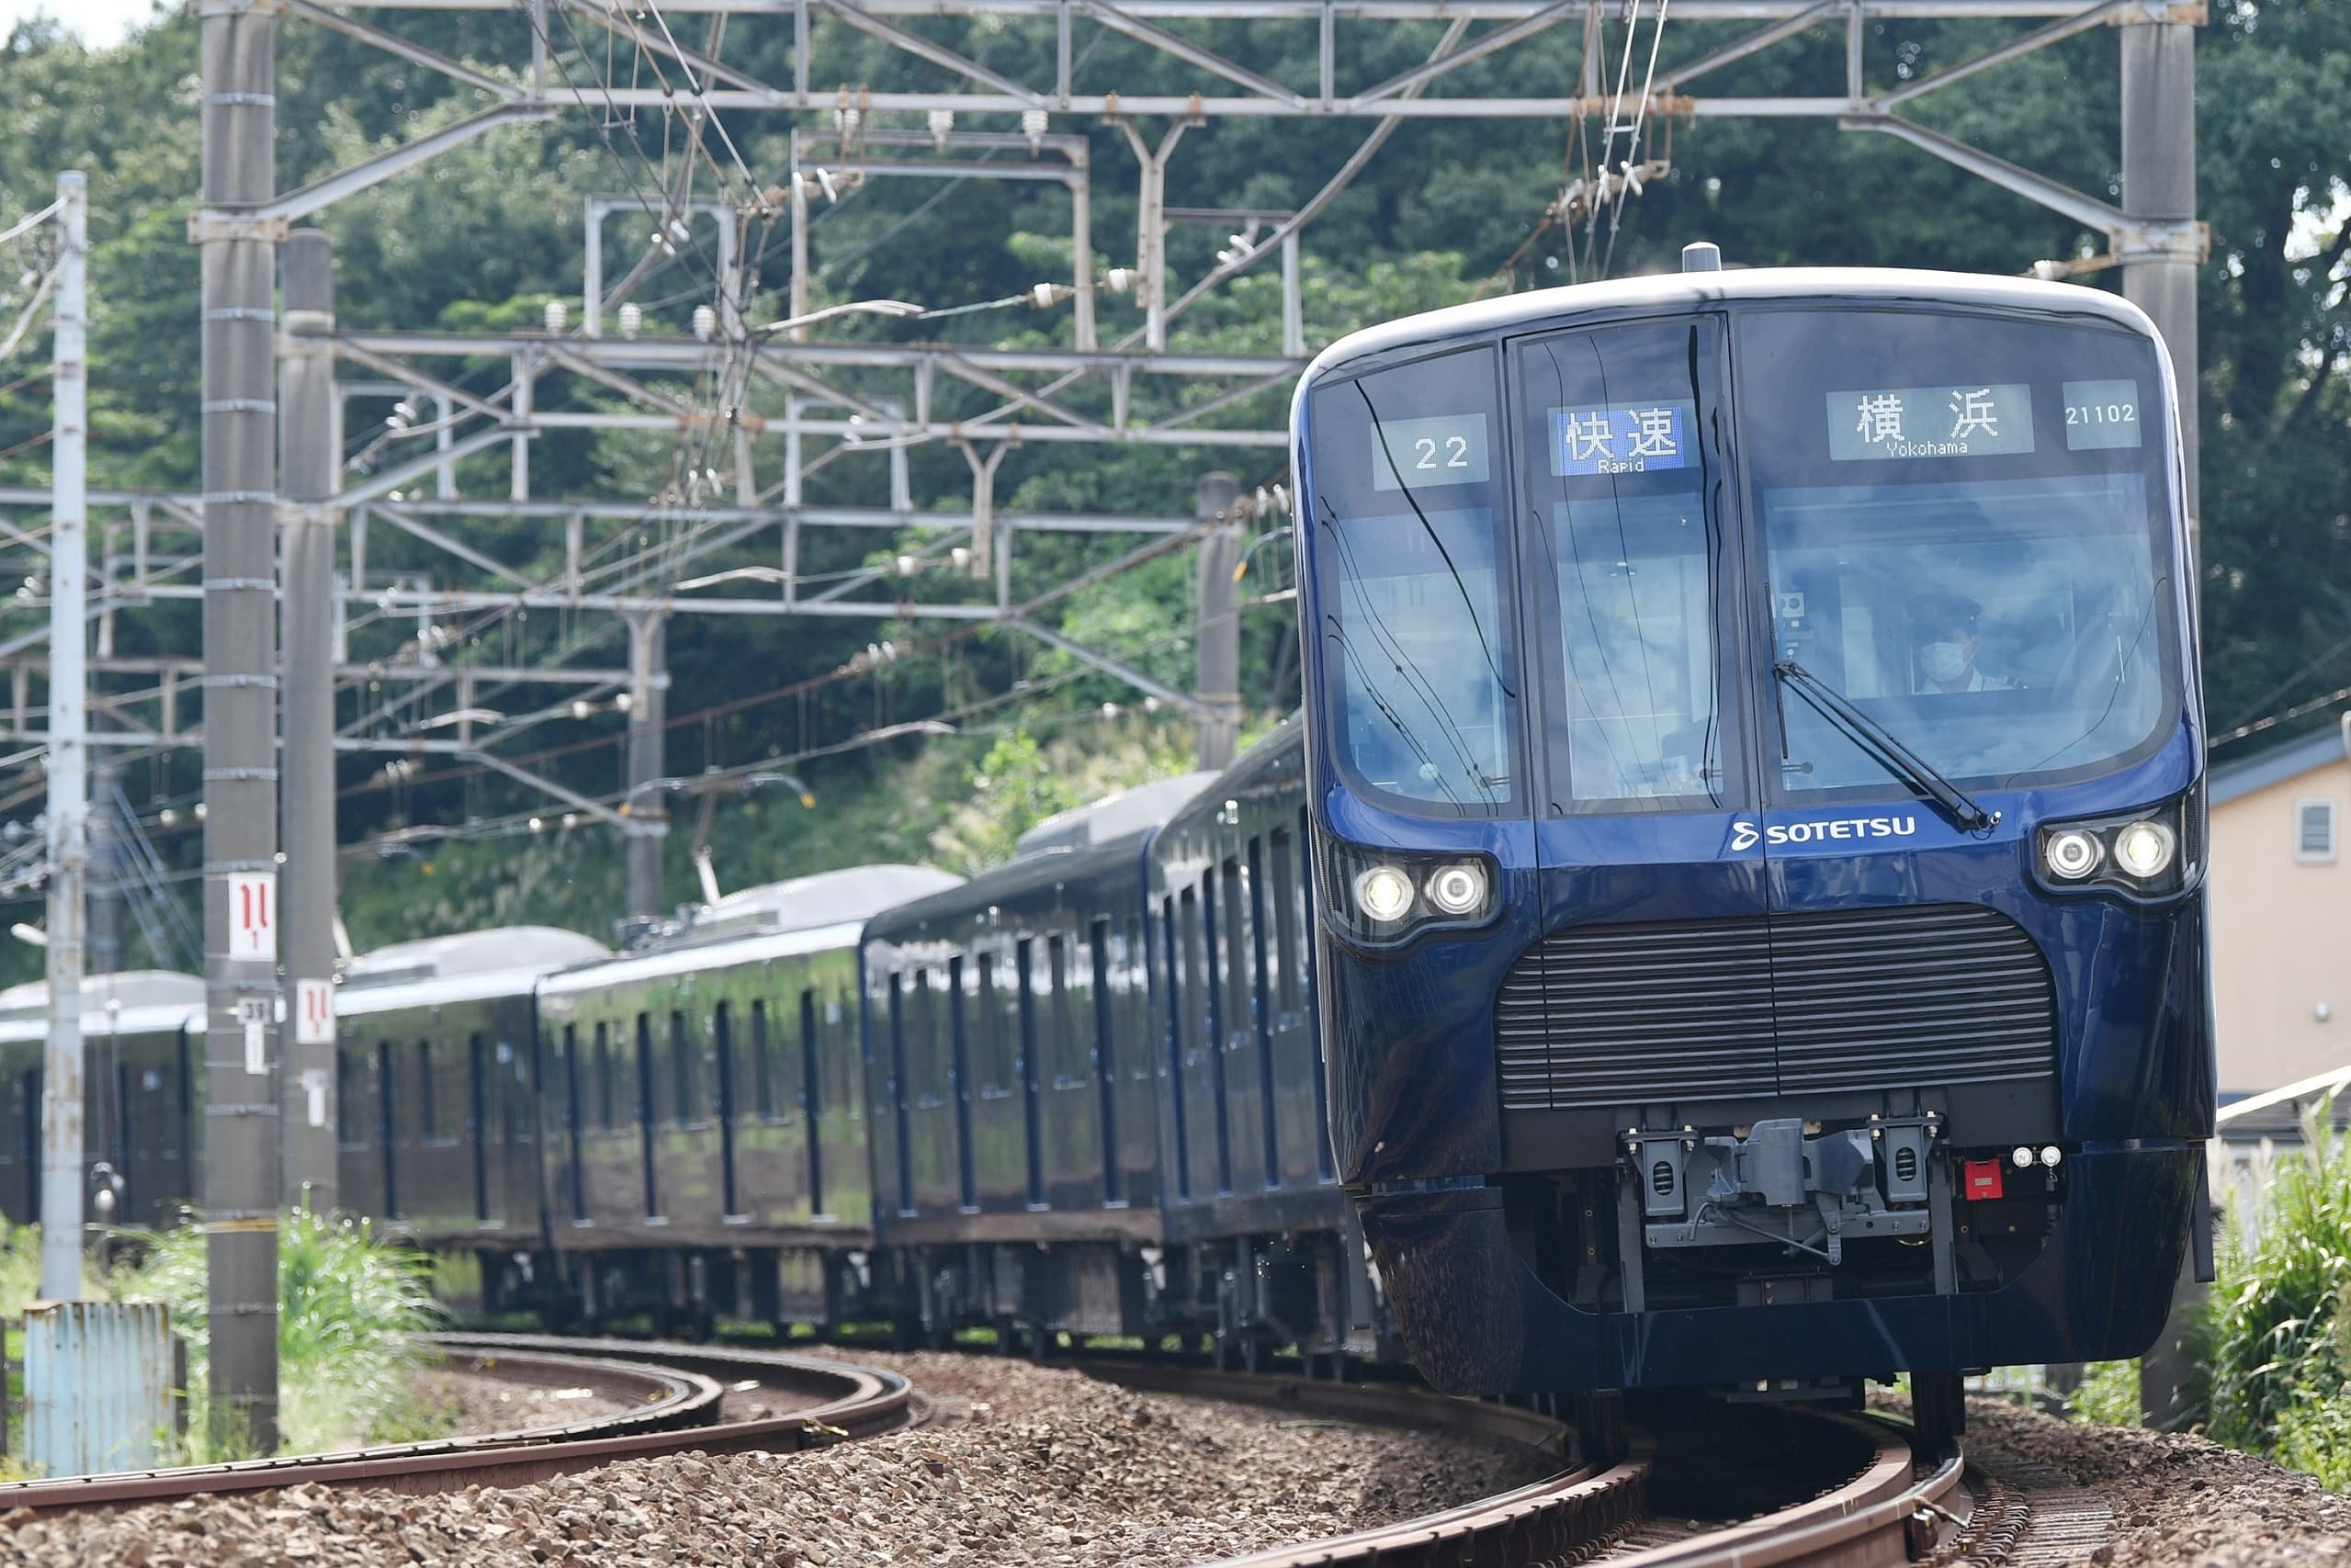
(352, 1307)
(2276, 1336)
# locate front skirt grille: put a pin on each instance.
(1621, 1016)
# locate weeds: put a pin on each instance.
(2276, 1338)
(351, 1308)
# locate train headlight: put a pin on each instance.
(2151, 853)
(1386, 897)
(2145, 850)
(2073, 854)
(1457, 889)
(1384, 894)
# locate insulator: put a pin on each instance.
(632, 320)
(847, 120)
(705, 322)
(1033, 124)
(555, 314)
(1119, 279)
(942, 122)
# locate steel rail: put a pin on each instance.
(1888, 1513)
(1557, 1518)
(682, 1388)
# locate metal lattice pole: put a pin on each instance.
(311, 464)
(241, 1157)
(69, 759)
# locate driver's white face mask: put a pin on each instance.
(1943, 661)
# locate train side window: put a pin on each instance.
(1189, 975)
(811, 1094)
(477, 1123)
(348, 1133)
(1032, 1065)
(1105, 1058)
(1171, 949)
(1064, 1023)
(1285, 921)
(812, 1100)
(960, 1044)
(993, 1056)
(1237, 998)
(571, 1120)
(763, 1066)
(607, 1086)
(387, 1122)
(722, 1046)
(898, 1091)
(682, 1069)
(645, 1109)
(428, 1108)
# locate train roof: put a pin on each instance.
(1686, 291)
(1113, 817)
(1281, 749)
(804, 903)
(466, 966)
(780, 920)
(134, 1001)
(1106, 838)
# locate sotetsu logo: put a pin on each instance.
(1745, 835)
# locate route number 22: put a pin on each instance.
(1455, 448)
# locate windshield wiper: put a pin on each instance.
(1885, 747)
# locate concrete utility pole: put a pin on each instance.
(69, 755)
(649, 823)
(239, 106)
(1216, 672)
(2159, 186)
(310, 461)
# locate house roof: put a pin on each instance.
(2286, 759)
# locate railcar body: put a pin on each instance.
(1016, 1149)
(1260, 1230)
(436, 1133)
(1755, 757)
(141, 1095)
(706, 1097)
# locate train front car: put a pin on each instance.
(1756, 764)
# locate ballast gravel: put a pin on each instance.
(1022, 1464)
(481, 1404)
(2178, 1501)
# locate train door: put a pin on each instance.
(1647, 989)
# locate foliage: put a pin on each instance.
(351, 1307)
(2107, 1395)
(1019, 784)
(2276, 1335)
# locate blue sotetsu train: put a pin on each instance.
(1732, 913)
(1756, 764)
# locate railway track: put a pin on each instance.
(1716, 1491)
(1710, 1486)
(676, 1395)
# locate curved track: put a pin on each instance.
(679, 1391)
(1884, 1503)
(1738, 1489)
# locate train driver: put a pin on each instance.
(1943, 628)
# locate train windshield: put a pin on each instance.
(1413, 554)
(1964, 531)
